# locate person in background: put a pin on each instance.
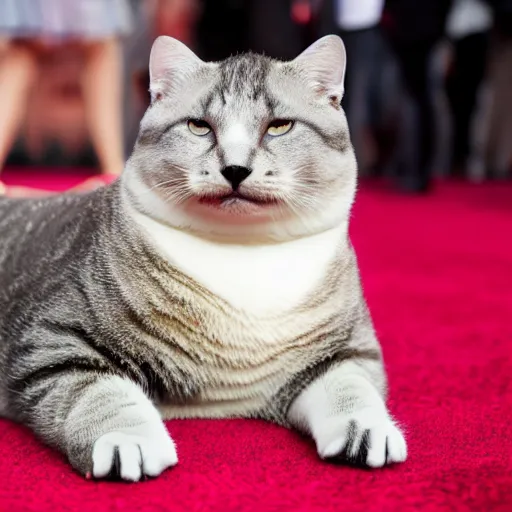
(227, 27)
(4, 44)
(33, 27)
(468, 29)
(414, 28)
(273, 29)
(499, 147)
(152, 18)
(357, 23)
(176, 18)
(222, 28)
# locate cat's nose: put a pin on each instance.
(235, 174)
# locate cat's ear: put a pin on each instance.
(169, 65)
(324, 65)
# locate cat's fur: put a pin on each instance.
(156, 296)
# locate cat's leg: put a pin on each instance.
(344, 411)
(105, 424)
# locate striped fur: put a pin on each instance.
(112, 309)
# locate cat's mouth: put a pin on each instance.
(235, 199)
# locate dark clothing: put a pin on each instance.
(410, 21)
(498, 155)
(272, 30)
(413, 29)
(363, 47)
(222, 29)
(413, 60)
(502, 10)
(462, 85)
(227, 27)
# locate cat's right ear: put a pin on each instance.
(170, 63)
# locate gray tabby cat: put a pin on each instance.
(214, 279)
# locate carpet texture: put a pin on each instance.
(438, 277)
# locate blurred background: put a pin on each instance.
(428, 83)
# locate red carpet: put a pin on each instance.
(438, 277)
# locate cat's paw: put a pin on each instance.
(132, 456)
(368, 437)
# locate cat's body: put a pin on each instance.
(112, 302)
(197, 352)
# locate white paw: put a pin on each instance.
(368, 437)
(132, 456)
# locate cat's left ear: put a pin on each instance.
(324, 64)
(170, 65)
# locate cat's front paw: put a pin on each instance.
(368, 437)
(132, 456)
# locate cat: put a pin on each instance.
(214, 279)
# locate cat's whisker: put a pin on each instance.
(178, 195)
(162, 185)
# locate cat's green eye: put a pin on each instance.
(199, 127)
(279, 127)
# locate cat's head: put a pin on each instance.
(249, 147)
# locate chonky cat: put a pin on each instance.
(214, 279)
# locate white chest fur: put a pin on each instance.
(259, 280)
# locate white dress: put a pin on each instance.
(65, 19)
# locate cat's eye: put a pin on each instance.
(199, 127)
(279, 127)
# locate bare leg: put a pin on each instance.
(18, 71)
(4, 44)
(102, 87)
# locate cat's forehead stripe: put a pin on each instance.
(244, 74)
